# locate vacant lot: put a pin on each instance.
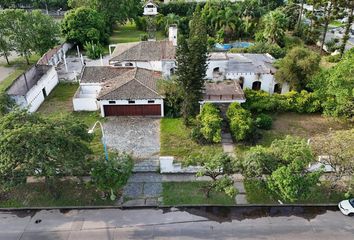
(176, 140)
(190, 193)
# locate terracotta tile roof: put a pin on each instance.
(98, 74)
(135, 83)
(148, 51)
(48, 55)
(225, 90)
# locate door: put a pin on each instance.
(132, 110)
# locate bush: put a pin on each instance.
(303, 102)
(240, 120)
(263, 121)
(264, 47)
(110, 176)
(179, 8)
(140, 23)
(92, 50)
(209, 126)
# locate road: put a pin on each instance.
(191, 223)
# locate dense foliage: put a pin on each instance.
(83, 25)
(209, 124)
(92, 50)
(110, 176)
(40, 147)
(6, 103)
(263, 121)
(262, 47)
(173, 97)
(335, 88)
(26, 32)
(240, 120)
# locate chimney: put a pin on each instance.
(172, 34)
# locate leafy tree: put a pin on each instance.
(191, 65)
(83, 25)
(298, 67)
(30, 31)
(110, 176)
(173, 97)
(350, 5)
(5, 44)
(41, 147)
(219, 168)
(337, 147)
(274, 25)
(335, 88)
(258, 161)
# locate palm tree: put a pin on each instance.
(274, 26)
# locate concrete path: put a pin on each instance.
(229, 148)
(173, 224)
(5, 72)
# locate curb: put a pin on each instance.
(69, 208)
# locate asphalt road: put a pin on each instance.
(195, 223)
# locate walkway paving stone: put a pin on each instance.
(241, 199)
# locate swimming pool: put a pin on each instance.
(228, 46)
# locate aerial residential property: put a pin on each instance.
(176, 119)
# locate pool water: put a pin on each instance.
(228, 46)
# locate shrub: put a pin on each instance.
(264, 47)
(210, 124)
(140, 23)
(303, 102)
(263, 121)
(110, 176)
(241, 124)
(93, 51)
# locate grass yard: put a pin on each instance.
(129, 33)
(36, 195)
(176, 140)
(59, 104)
(20, 66)
(295, 124)
(257, 193)
(190, 193)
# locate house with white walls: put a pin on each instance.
(123, 91)
(31, 88)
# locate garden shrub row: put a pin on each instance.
(209, 125)
(300, 102)
(240, 120)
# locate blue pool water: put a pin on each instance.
(228, 46)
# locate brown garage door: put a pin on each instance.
(132, 110)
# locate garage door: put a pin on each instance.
(132, 110)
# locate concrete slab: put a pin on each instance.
(45, 236)
(10, 222)
(228, 148)
(51, 221)
(240, 187)
(241, 199)
(107, 234)
(134, 203)
(10, 235)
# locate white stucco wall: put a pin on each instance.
(212, 64)
(85, 97)
(34, 97)
(126, 102)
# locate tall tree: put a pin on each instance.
(350, 5)
(274, 25)
(191, 65)
(298, 67)
(5, 43)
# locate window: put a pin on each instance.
(129, 65)
(131, 102)
(256, 85)
(112, 102)
(151, 101)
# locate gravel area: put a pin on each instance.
(139, 136)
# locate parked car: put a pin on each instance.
(347, 207)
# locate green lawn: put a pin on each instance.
(20, 66)
(59, 104)
(37, 195)
(336, 23)
(191, 193)
(295, 124)
(129, 33)
(176, 140)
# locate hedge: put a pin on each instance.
(210, 124)
(300, 102)
(240, 120)
(179, 8)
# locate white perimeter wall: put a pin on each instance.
(85, 97)
(35, 97)
(126, 102)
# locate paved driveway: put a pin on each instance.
(137, 135)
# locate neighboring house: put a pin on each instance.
(31, 88)
(152, 55)
(124, 91)
(55, 55)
